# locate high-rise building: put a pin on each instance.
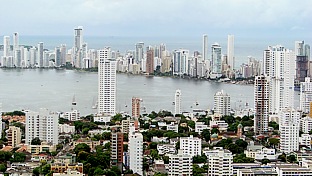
(63, 54)
(302, 61)
(177, 102)
(106, 83)
(150, 62)
(279, 65)
(58, 59)
(230, 52)
(205, 47)
(289, 126)
(261, 103)
(180, 62)
(17, 58)
(136, 107)
(40, 54)
(78, 41)
(139, 52)
(33, 56)
(222, 103)
(220, 162)
(6, 46)
(305, 95)
(216, 71)
(117, 149)
(15, 41)
(14, 136)
(43, 124)
(180, 164)
(191, 145)
(136, 152)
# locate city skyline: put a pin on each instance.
(160, 19)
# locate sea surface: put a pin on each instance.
(54, 89)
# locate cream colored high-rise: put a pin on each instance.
(230, 52)
(14, 136)
(106, 82)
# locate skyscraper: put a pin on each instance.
(6, 46)
(40, 54)
(136, 109)
(106, 83)
(78, 41)
(279, 65)
(305, 95)
(205, 47)
(216, 61)
(57, 57)
(180, 62)
(15, 41)
(222, 103)
(43, 124)
(261, 103)
(230, 52)
(150, 62)
(177, 102)
(136, 152)
(139, 52)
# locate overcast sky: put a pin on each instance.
(157, 17)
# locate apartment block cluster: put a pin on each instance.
(209, 63)
(283, 71)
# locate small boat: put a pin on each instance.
(74, 103)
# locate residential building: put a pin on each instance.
(222, 103)
(150, 62)
(177, 102)
(180, 60)
(40, 54)
(125, 125)
(220, 124)
(261, 171)
(230, 52)
(200, 126)
(216, 71)
(73, 115)
(191, 145)
(205, 47)
(136, 152)
(69, 172)
(292, 170)
(87, 141)
(289, 126)
(166, 149)
(117, 149)
(139, 52)
(305, 95)
(106, 83)
(261, 103)
(173, 127)
(220, 162)
(14, 136)
(43, 124)
(305, 140)
(180, 164)
(306, 124)
(279, 66)
(136, 107)
(62, 168)
(78, 42)
(65, 128)
(44, 147)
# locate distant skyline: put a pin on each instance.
(158, 18)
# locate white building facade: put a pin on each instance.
(305, 95)
(191, 145)
(177, 102)
(106, 83)
(180, 164)
(219, 162)
(222, 103)
(136, 152)
(43, 124)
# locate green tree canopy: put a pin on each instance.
(82, 147)
(36, 141)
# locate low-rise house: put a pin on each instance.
(62, 167)
(220, 124)
(173, 127)
(44, 147)
(96, 132)
(65, 128)
(305, 140)
(159, 139)
(69, 172)
(200, 126)
(166, 149)
(68, 158)
(266, 153)
(89, 142)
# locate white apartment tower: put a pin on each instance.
(261, 103)
(216, 71)
(220, 162)
(40, 54)
(15, 41)
(191, 145)
(180, 164)
(136, 152)
(6, 46)
(106, 82)
(177, 102)
(180, 62)
(305, 95)
(230, 52)
(289, 126)
(279, 65)
(43, 125)
(205, 47)
(222, 103)
(78, 41)
(139, 52)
